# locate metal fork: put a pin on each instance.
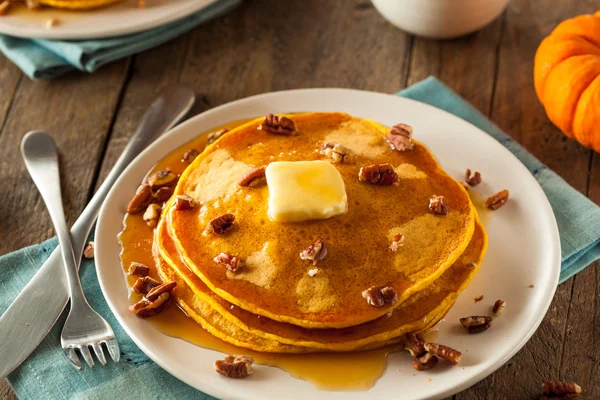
(84, 328)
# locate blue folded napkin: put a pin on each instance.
(43, 59)
(47, 374)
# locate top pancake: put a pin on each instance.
(274, 283)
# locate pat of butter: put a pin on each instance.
(303, 190)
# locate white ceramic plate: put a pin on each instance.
(119, 19)
(524, 249)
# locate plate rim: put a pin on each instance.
(547, 295)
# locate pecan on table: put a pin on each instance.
(473, 178)
(425, 362)
(378, 174)
(184, 203)
(190, 156)
(499, 306)
(400, 137)
(232, 263)
(476, 323)
(278, 125)
(164, 177)
(90, 249)
(397, 243)
(253, 178)
(445, 352)
(212, 137)
(498, 200)
(315, 252)
(152, 214)
(415, 344)
(141, 199)
(378, 296)
(145, 284)
(438, 205)
(560, 390)
(221, 224)
(235, 366)
(337, 153)
(146, 308)
(138, 269)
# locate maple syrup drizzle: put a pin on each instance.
(358, 370)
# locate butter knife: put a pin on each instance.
(35, 310)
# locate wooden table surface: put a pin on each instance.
(268, 45)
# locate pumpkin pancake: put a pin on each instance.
(274, 282)
(420, 311)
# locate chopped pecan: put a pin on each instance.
(143, 197)
(498, 307)
(190, 156)
(4, 7)
(315, 252)
(145, 284)
(337, 153)
(235, 366)
(498, 200)
(212, 137)
(312, 272)
(89, 250)
(400, 137)
(278, 125)
(471, 265)
(478, 298)
(378, 296)
(160, 289)
(163, 194)
(221, 224)
(560, 390)
(146, 308)
(138, 269)
(445, 352)
(254, 178)
(398, 242)
(184, 203)
(230, 262)
(415, 344)
(425, 362)
(438, 205)
(378, 174)
(476, 324)
(151, 215)
(164, 177)
(472, 178)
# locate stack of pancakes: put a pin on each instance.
(273, 303)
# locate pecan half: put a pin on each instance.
(146, 308)
(143, 197)
(398, 242)
(235, 366)
(560, 390)
(498, 200)
(315, 252)
(221, 224)
(190, 156)
(163, 194)
(212, 137)
(253, 178)
(230, 262)
(337, 153)
(89, 250)
(445, 352)
(155, 292)
(400, 137)
(415, 344)
(138, 269)
(472, 178)
(378, 174)
(378, 296)
(425, 362)
(184, 203)
(145, 284)
(476, 324)
(164, 177)
(499, 306)
(151, 215)
(438, 205)
(278, 125)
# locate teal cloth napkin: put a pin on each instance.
(43, 59)
(47, 375)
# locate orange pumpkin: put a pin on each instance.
(567, 78)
